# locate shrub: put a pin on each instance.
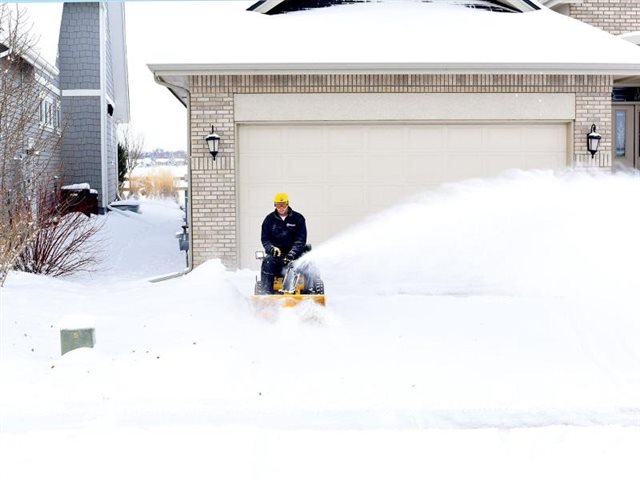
(60, 245)
(159, 183)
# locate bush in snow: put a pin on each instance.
(61, 244)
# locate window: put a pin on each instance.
(50, 113)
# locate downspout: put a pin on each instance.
(170, 86)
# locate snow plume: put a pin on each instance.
(524, 233)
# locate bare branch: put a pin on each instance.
(30, 136)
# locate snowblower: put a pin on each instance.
(296, 284)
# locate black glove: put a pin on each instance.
(289, 258)
(274, 251)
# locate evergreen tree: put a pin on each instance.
(123, 159)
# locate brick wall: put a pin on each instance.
(613, 16)
(213, 184)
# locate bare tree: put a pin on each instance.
(30, 135)
(130, 151)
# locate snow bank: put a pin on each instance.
(185, 372)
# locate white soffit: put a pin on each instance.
(389, 37)
(559, 3)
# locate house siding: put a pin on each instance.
(85, 95)
(81, 142)
(47, 163)
(79, 46)
(613, 16)
(214, 183)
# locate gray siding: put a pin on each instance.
(79, 46)
(80, 69)
(23, 128)
(81, 146)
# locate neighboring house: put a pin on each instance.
(29, 112)
(95, 94)
(351, 108)
(85, 94)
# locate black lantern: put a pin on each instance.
(213, 141)
(593, 140)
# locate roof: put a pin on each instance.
(273, 7)
(391, 36)
(42, 24)
(388, 36)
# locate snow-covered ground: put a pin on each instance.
(489, 329)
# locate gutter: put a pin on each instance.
(175, 69)
(159, 80)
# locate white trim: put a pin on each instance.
(103, 106)
(36, 60)
(46, 83)
(559, 3)
(116, 13)
(82, 92)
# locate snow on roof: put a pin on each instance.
(271, 7)
(42, 20)
(406, 35)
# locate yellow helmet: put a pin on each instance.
(281, 197)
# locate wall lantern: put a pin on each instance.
(593, 140)
(213, 141)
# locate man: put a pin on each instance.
(284, 235)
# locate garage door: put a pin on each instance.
(338, 174)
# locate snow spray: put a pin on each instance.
(523, 233)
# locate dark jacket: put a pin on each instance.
(289, 235)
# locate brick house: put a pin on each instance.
(349, 113)
(621, 18)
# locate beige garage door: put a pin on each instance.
(338, 174)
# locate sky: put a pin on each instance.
(495, 338)
(155, 114)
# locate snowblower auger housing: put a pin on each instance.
(290, 288)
